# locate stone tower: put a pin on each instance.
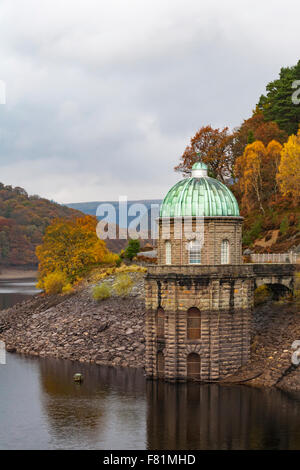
(199, 295)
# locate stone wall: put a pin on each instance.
(215, 229)
(224, 297)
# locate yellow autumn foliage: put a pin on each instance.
(71, 247)
(289, 168)
(123, 284)
(54, 283)
(101, 292)
(256, 170)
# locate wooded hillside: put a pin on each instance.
(23, 220)
(260, 162)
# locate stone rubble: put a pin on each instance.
(77, 327)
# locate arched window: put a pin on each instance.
(193, 323)
(168, 252)
(160, 364)
(160, 322)
(193, 366)
(195, 252)
(225, 252)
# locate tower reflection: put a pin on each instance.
(193, 416)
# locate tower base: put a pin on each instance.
(198, 321)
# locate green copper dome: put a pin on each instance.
(199, 196)
(199, 166)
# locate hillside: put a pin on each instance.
(275, 231)
(23, 220)
(260, 162)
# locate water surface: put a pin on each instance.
(13, 291)
(42, 408)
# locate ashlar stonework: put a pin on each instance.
(199, 297)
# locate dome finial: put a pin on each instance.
(199, 169)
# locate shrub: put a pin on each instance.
(284, 225)
(132, 249)
(119, 262)
(253, 233)
(123, 285)
(54, 282)
(110, 258)
(101, 292)
(134, 268)
(67, 289)
(101, 273)
(261, 295)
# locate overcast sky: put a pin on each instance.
(103, 96)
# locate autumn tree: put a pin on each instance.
(289, 168)
(71, 247)
(271, 168)
(256, 128)
(256, 172)
(214, 147)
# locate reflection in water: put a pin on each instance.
(41, 407)
(108, 403)
(221, 417)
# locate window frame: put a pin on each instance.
(225, 251)
(168, 252)
(195, 248)
(193, 333)
(193, 366)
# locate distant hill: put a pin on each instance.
(143, 205)
(91, 208)
(23, 220)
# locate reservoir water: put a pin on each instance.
(42, 408)
(13, 291)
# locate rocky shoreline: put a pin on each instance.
(111, 332)
(78, 328)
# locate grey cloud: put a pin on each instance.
(103, 98)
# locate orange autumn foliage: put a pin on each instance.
(262, 130)
(71, 247)
(214, 146)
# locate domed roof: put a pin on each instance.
(199, 196)
(199, 166)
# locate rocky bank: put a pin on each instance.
(111, 332)
(77, 327)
